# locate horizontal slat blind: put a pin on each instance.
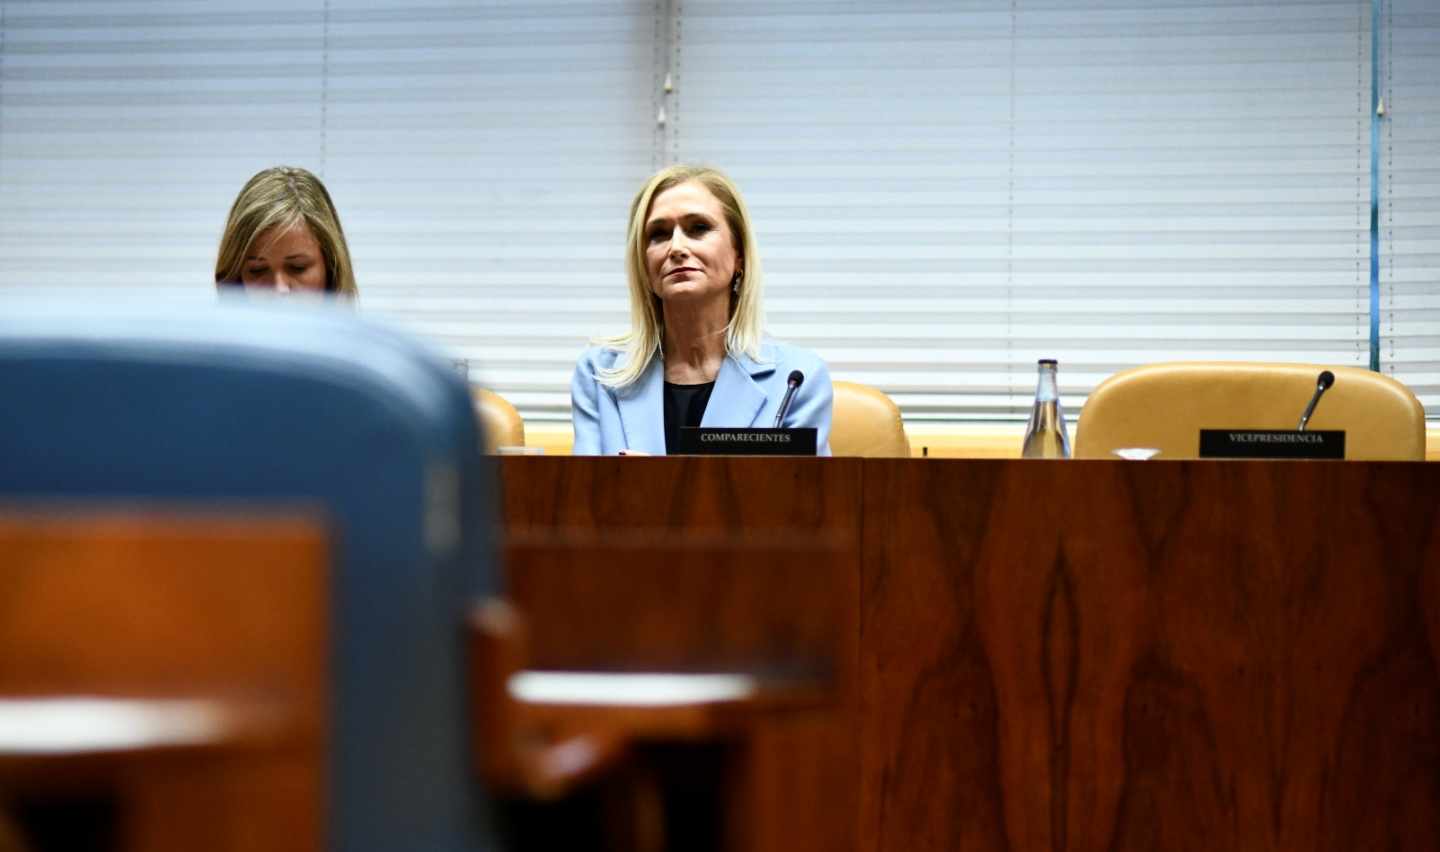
(126, 128)
(946, 192)
(488, 154)
(482, 156)
(1410, 197)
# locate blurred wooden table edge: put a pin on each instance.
(84, 733)
(542, 733)
(668, 705)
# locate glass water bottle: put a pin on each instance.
(1045, 436)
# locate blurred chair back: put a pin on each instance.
(1166, 405)
(500, 422)
(228, 407)
(867, 423)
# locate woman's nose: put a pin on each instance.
(283, 284)
(678, 243)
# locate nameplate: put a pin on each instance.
(1271, 444)
(722, 441)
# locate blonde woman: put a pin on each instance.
(695, 354)
(284, 235)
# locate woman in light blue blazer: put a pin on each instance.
(695, 354)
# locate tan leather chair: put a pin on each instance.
(500, 422)
(1166, 405)
(866, 422)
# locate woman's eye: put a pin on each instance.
(699, 227)
(297, 270)
(657, 235)
(256, 272)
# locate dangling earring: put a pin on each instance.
(735, 282)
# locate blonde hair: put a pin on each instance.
(282, 197)
(646, 337)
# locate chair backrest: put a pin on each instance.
(866, 422)
(500, 423)
(224, 407)
(1166, 405)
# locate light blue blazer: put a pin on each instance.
(747, 393)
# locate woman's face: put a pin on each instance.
(689, 249)
(286, 261)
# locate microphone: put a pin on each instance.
(1322, 384)
(792, 385)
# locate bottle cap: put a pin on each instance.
(1048, 361)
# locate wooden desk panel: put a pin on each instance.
(1094, 654)
(1159, 655)
(229, 617)
(734, 495)
(147, 604)
(717, 591)
(675, 602)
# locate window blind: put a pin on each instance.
(945, 192)
(127, 128)
(482, 156)
(488, 155)
(1409, 214)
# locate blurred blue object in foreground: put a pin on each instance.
(224, 406)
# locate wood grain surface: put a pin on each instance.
(1159, 655)
(707, 564)
(1092, 655)
(145, 604)
(231, 611)
(733, 495)
(661, 600)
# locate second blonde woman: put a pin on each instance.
(283, 234)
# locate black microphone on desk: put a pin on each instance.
(792, 385)
(1322, 384)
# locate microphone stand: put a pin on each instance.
(1322, 384)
